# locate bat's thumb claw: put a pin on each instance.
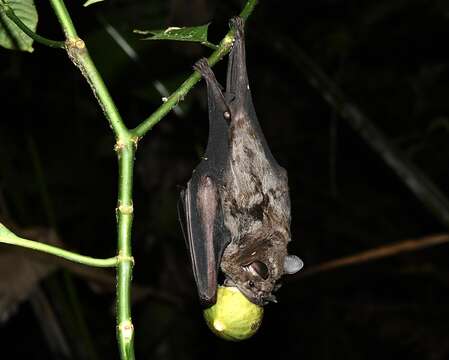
(201, 66)
(238, 24)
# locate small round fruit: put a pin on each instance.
(233, 317)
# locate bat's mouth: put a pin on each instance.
(253, 294)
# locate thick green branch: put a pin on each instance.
(8, 237)
(40, 39)
(186, 86)
(125, 329)
(80, 57)
(64, 18)
(125, 147)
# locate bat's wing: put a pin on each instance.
(205, 233)
(204, 229)
(238, 93)
(217, 150)
(237, 84)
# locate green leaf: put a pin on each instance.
(11, 36)
(192, 34)
(90, 2)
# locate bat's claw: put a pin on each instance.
(202, 66)
(238, 24)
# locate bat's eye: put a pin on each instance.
(227, 115)
(260, 269)
(251, 283)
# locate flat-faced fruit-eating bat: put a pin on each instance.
(235, 210)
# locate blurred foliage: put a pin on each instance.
(389, 56)
(11, 36)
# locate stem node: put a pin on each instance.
(123, 258)
(75, 43)
(126, 330)
(126, 209)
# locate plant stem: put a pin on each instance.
(209, 45)
(79, 55)
(125, 329)
(8, 237)
(40, 39)
(125, 147)
(64, 18)
(223, 48)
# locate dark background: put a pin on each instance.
(58, 169)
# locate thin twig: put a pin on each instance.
(7, 237)
(380, 252)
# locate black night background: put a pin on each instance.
(347, 92)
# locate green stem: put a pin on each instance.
(125, 329)
(186, 86)
(8, 237)
(64, 18)
(40, 39)
(125, 147)
(209, 45)
(80, 57)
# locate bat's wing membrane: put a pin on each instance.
(237, 84)
(204, 228)
(205, 234)
(238, 93)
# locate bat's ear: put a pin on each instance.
(292, 264)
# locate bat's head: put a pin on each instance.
(256, 263)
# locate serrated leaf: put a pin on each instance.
(90, 2)
(192, 34)
(11, 36)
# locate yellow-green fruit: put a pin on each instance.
(233, 317)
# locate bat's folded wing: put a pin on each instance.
(205, 233)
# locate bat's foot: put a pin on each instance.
(238, 24)
(202, 66)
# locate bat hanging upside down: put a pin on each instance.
(235, 210)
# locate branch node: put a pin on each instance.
(74, 44)
(119, 145)
(76, 48)
(135, 139)
(126, 209)
(124, 258)
(126, 329)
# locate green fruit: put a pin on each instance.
(233, 317)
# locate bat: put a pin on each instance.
(235, 210)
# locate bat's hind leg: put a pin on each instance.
(216, 100)
(237, 86)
